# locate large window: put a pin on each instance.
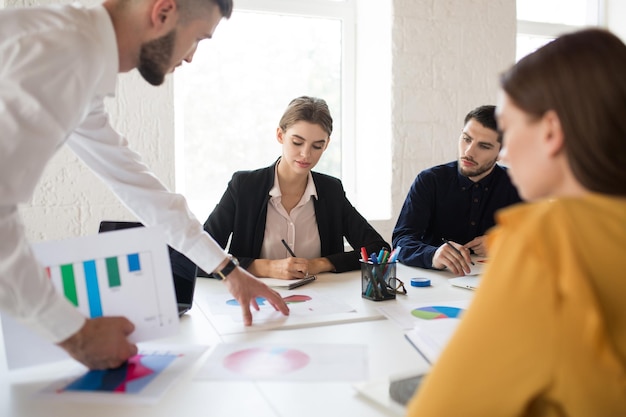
(541, 21)
(229, 102)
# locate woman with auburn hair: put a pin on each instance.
(546, 332)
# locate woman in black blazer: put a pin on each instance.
(285, 221)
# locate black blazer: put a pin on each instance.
(242, 212)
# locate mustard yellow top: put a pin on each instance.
(546, 332)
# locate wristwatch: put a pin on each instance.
(230, 266)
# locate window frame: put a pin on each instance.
(596, 16)
(345, 10)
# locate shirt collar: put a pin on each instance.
(465, 182)
(309, 191)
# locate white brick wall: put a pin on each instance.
(446, 55)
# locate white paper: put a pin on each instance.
(287, 283)
(468, 282)
(122, 273)
(307, 308)
(378, 392)
(144, 380)
(430, 338)
(286, 362)
(480, 263)
(429, 326)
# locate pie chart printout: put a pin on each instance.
(437, 312)
(264, 362)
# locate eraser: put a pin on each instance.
(420, 282)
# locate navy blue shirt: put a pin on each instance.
(443, 203)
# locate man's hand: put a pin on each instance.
(478, 245)
(457, 261)
(245, 288)
(101, 343)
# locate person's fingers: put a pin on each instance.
(466, 255)
(247, 314)
(278, 303)
(112, 363)
(455, 263)
(128, 327)
(254, 303)
(133, 349)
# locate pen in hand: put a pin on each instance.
(306, 273)
(447, 242)
(288, 248)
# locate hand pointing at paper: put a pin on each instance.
(245, 288)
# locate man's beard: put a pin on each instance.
(155, 58)
(479, 170)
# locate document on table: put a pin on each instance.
(143, 379)
(302, 362)
(480, 263)
(288, 284)
(377, 391)
(431, 338)
(123, 273)
(307, 308)
(428, 326)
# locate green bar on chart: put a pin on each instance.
(69, 283)
(113, 272)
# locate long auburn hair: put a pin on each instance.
(582, 77)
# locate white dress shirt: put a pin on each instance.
(57, 64)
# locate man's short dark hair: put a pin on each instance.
(486, 116)
(189, 8)
(226, 7)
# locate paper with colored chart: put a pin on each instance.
(307, 308)
(286, 362)
(407, 314)
(429, 325)
(122, 273)
(144, 379)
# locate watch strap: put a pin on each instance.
(228, 268)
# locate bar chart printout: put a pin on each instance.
(143, 379)
(122, 273)
(81, 285)
(126, 273)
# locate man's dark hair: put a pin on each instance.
(189, 8)
(226, 7)
(486, 116)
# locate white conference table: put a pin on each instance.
(389, 355)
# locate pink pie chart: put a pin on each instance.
(265, 362)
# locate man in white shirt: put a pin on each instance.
(57, 64)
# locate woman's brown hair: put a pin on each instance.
(582, 77)
(309, 109)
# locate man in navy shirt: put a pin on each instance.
(456, 202)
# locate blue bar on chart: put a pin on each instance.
(93, 290)
(133, 262)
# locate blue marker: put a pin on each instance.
(381, 255)
(374, 259)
